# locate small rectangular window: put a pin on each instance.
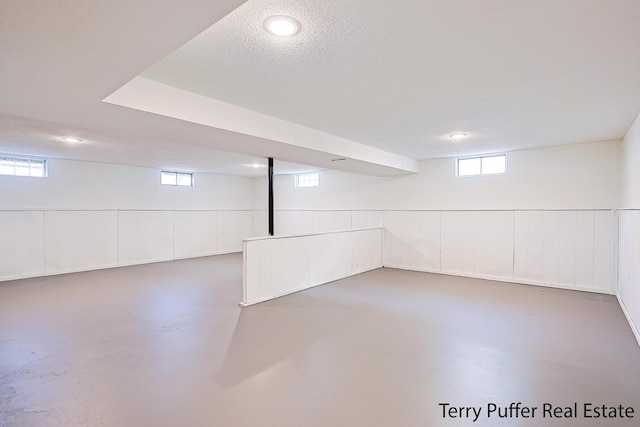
(487, 165)
(176, 178)
(307, 180)
(469, 167)
(185, 179)
(168, 178)
(23, 166)
(494, 165)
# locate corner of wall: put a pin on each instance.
(630, 169)
(628, 289)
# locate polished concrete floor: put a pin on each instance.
(167, 345)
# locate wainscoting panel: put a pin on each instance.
(145, 236)
(37, 242)
(233, 226)
(574, 249)
(195, 233)
(629, 268)
(22, 248)
(80, 240)
(280, 265)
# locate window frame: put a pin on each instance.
(29, 160)
(314, 182)
(457, 166)
(176, 175)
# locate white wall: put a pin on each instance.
(584, 176)
(277, 266)
(88, 186)
(568, 249)
(550, 220)
(631, 167)
(309, 222)
(629, 264)
(90, 215)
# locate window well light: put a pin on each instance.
(458, 135)
(283, 26)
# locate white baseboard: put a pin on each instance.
(504, 279)
(104, 267)
(634, 328)
(304, 288)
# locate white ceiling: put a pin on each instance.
(386, 75)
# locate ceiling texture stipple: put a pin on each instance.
(384, 78)
(401, 76)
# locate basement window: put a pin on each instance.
(307, 180)
(486, 165)
(176, 178)
(23, 166)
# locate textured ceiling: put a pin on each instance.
(401, 76)
(60, 59)
(42, 139)
(398, 76)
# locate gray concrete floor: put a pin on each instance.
(167, 345)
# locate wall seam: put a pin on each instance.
(44, 243)
(118, 237)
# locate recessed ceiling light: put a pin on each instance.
(71, 139)
(458, 135)
(283, 26)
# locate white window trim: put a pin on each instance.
(45, 171)
(481, 157)
(296, 180)
(176, 176)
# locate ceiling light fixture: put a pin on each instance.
(72, 139)
(458, 135)
(283, 26)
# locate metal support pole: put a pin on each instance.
(270, 196)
